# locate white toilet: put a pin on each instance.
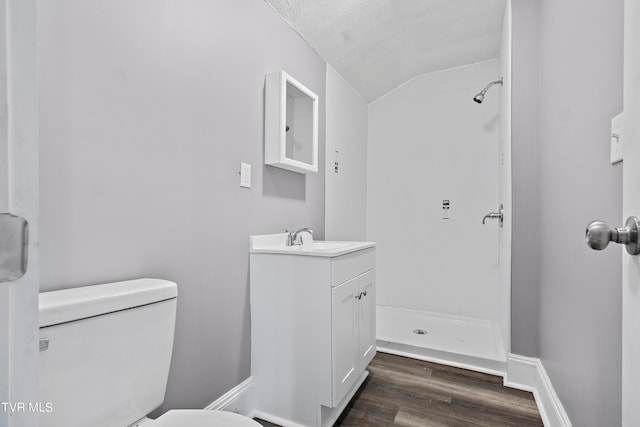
(105, 352)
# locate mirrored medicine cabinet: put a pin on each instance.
(291, 124)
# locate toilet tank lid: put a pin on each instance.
(67, 305)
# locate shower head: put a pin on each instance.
(480, 97)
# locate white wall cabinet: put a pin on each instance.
(312, 334)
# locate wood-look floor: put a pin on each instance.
(407, 392)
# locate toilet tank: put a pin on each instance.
(108, 351)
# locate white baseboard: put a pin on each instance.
(528, 373)
(231, 400)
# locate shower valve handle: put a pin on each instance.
(599, 234)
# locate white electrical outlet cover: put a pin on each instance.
(245, 175)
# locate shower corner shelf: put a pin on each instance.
(291, 124)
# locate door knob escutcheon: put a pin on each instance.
(599, 234)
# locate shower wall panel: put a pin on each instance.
(430, 144)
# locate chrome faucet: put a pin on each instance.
(292, 237)
(499, 215)
(491, 215)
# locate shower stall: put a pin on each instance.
(438, 167)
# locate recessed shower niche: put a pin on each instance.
(291, 124)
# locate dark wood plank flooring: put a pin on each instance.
(407, 392)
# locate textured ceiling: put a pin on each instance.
(376, 45)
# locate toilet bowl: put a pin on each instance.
(105, 352)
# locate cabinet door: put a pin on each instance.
(344, 338)
(367, 318)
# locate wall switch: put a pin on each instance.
(616, 138)
(245, 175)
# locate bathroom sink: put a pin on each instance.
(321, 246)
(276, 244)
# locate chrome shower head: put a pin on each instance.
(480, 97)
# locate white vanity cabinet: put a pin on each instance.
(353, 331)
(312, 333)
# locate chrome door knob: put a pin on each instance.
(599, 235)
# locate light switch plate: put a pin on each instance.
(245, 175)
(616, 139)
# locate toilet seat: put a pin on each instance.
(203, 418)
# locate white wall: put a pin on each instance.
(504, 164)
(581, 86)
(147, 109)
(429, 141)
(346, 191)
(525, 296)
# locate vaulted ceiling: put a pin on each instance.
(376, 45)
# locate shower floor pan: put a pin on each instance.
(452, 340)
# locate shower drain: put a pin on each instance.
(420, 332)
